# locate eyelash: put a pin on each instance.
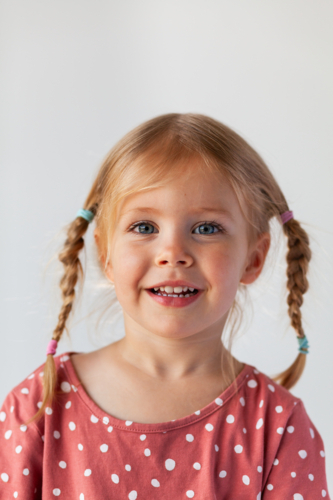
(210, 223)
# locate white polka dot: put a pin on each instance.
(312, 433)
(197, 412)
(18, 449)
(244, 430)
(155, 483)
(110, 429)
(271, 387)
(41, 374)
(255, 371)
(223, 473)
(104, 448)
(270, 487)
(8, 434)
(323, 493)
(219, 401)
(259, 496)
(242, 401)
(87, 472)
(230, 419)
(80, 446)
(62, 464)
(105, 420)
(15, 494)
(4, 477)
(48, 410)
(72, 426)
(196, 466)
(189, 438)
(238, 448)
(278, 409)
(74, 388)
(26, 472)
(290, 429)
(216, 447)
(133, 495)
(302, 453)
(322, 453)
(81, 496)
(246, 480)
(56, 434)
(42, 438)
(252, 383)
(128, 422)
(128, 467)
(276, 462)
(23, 428)
(68, 404)
(25, 390)
(298, 496)
(94, 419)
(11, 409)
(260, 423)
(39, 404)
(261, 404)
(147, 452)
(293, 474)
(190, 494)
(170, 464)
(65, 386)
(143, 437)
(311, 477)
(280, 430)
(64, 358)
(209, 427)
(31, 376)
(2, 416)
(259, 468)
(56, 492)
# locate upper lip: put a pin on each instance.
(175, 283)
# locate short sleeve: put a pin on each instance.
(298, 471)
(21, 451)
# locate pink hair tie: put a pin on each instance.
(286, 216)
(52, 347)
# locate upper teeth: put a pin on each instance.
(171, 289)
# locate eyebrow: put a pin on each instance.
(222, 211)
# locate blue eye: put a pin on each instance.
(207, 224)
(143, 224)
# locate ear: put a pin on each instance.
(108, 270)
(256, 259)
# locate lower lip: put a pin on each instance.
(174, 301)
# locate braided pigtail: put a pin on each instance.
(298, 257)
(72, 273)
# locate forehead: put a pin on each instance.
(191, 187)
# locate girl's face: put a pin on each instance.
(192, 229)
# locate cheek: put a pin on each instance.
(129, 265)
(225, 270)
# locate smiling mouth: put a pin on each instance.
(187, 294)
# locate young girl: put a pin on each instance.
(182, 206)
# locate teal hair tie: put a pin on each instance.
(85, 214)
(303, 344)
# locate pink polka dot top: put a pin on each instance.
(255, 441)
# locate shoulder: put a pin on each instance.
(24, 400)
(264, 392)
(279, 426)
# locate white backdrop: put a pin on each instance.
(77, 75)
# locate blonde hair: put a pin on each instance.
(144, 159)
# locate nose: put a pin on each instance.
(174, 252)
